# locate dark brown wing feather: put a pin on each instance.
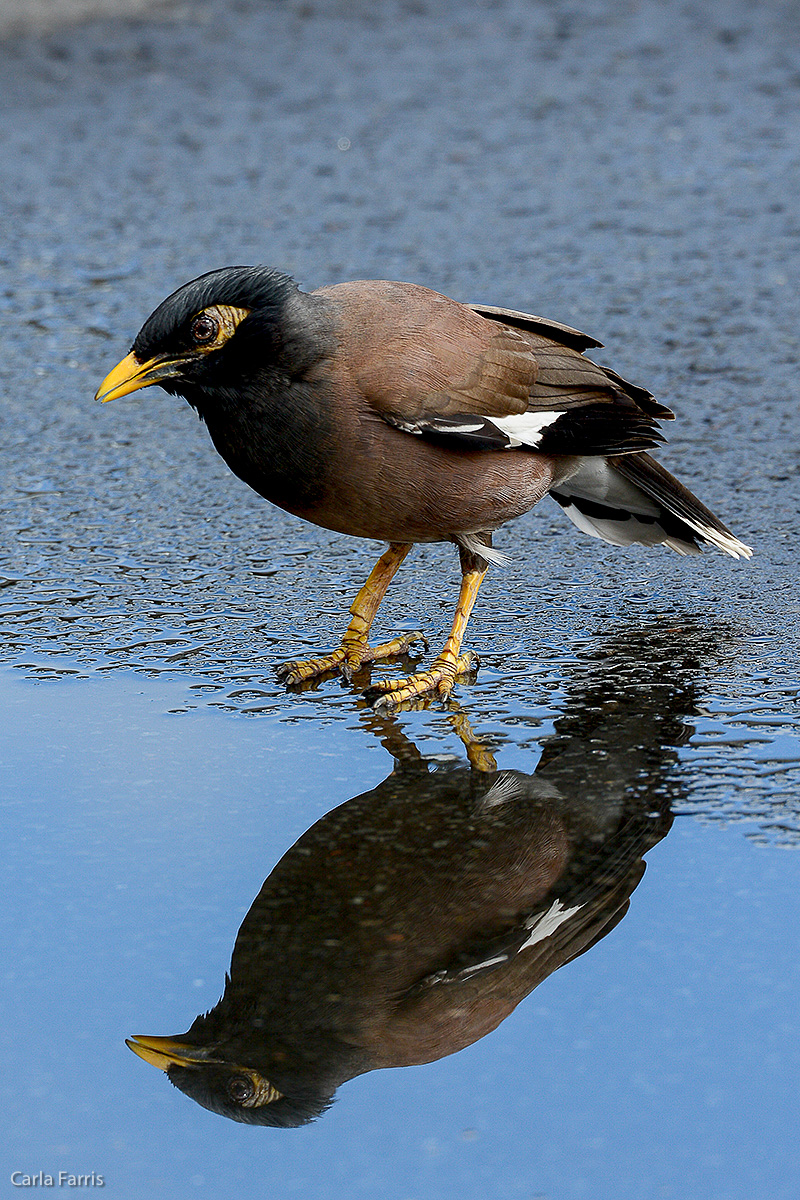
(448, 372)
(500, 383)
(657, 483)
(531, 324)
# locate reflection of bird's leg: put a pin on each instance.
(406, 754)
(391, 693)
(480, 759)
(392, 738)
(354, 650)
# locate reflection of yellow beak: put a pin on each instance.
(164, 1052)
(130, 375)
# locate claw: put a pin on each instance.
(389, 695)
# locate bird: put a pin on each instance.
(408, 922)
(389, 411)
(401, 928)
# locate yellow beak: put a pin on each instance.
(130, 375)
(164, 1052)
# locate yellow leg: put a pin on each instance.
(390, 694)
(354, 650)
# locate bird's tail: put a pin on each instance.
(632, 498)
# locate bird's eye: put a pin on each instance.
(240, 1088)
(204, 329)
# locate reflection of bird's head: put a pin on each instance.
(220, 330)
(214, 1076)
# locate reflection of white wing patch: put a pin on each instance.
(541, 926)
(486, 965)
(544, 925)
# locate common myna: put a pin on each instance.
(388, 411)
(410, 921)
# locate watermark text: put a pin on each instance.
(21, 1179)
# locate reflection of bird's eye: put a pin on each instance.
(204, 328)
(240, 1088)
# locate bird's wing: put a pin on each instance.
(532, 324)
(528, 386)
(480, 958)
(558, 931)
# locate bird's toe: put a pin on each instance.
(389, 695)
(299, 670)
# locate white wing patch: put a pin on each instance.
(456, 427)
(525, 429)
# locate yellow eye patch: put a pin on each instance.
(264, 1092)
(213, 326)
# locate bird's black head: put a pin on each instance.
(215, 329)
(229, 1088)
(244, 1096)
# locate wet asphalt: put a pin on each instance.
(631, 170)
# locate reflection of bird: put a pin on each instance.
(411, 920)
(388, 411)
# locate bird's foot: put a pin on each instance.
(347, 659)
(391, 694)
(393, 649)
